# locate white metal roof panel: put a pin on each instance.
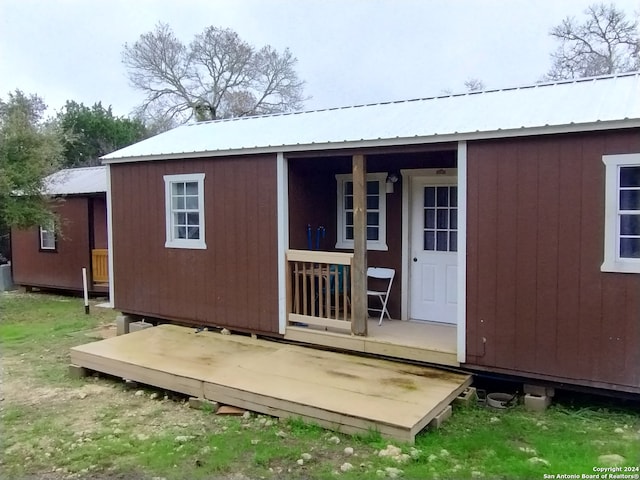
(74, 181)
(574, 103)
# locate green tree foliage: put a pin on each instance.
(95, 131)
(30, 149)
(606, 41)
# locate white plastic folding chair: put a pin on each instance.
(381, 273)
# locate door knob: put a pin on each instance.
(415, 259)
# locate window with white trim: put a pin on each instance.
(184, 206)
(622, 213)
(48, 236)
(376, 211)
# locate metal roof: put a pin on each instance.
(576, 105)
(74, 181)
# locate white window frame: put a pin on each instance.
(172, 242)
(48, 232)
(612, 260)
(344, 243)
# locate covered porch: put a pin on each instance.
(345, 213)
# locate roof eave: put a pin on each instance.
(391, 142)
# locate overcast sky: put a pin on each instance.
(349, 51)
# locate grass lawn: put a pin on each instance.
(55, 427)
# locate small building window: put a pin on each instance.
(48, 237)
(376, 212)
(184, 205)
(622, 213)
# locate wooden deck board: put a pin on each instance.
(338, 391)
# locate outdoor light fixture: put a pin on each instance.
(391, 179)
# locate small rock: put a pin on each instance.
(82, 395)
(184, 438)
(268, 423)
(300, 461)
(444, 453)
(393, 472)
(116, 431)
(345, 467)
(618, 430)
(139, 393)
(280, 434)
(494, 420)
(224, 331)
(255, 442)
(529, 450)
(262, 421)
(432, 458)
(334, 439)
(154, 395)
(611, 460)
(306, 457)
(142, 437)
(348, 451)
(205, 450)
(538, 461)
(246, 415)
(390, 451)
(402, 458)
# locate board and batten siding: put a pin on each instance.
(537, 302)
(234, 281)
(62, 268)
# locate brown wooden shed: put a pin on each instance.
(53, 257)
(511, 218)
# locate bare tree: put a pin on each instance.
(218, 75)
(605, 42)
(473, 84)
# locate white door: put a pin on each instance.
(434, 243)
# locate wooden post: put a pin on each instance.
(359, 274)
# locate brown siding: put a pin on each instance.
(56, 269)
(535, 291)
(233, 282)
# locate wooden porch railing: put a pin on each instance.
(100, 262)
(318, 288)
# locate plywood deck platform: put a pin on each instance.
(343, 392)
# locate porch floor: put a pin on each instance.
(338, 391)
(428, 342)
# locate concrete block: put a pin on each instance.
(203, 404)
(76, 371)
(442, 417)
(123, 322)
(539, 390)
(536, 403)
(137, 326)
(468, 397)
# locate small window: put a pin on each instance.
(48, 237)
(376, 212)
(184, 204)
(622, 213)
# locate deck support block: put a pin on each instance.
(467, 398)
(122, 324)
(202, 404)
(442, 417)
(137, 326)
(536, 403)
(76, 371)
